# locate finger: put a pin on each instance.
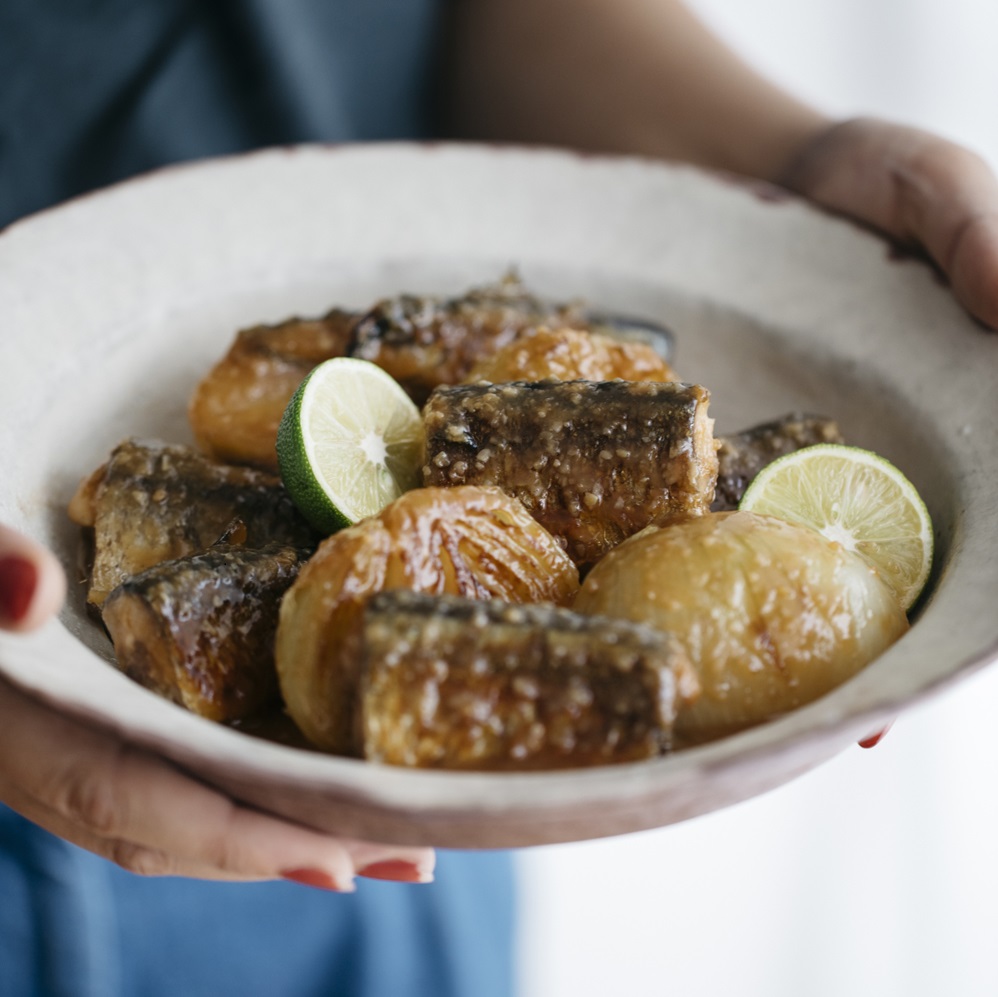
(918, 188)
(32, 582)
(147, 816)
(948, 202)
(872, 740)
(333, 869)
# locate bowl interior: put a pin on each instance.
(115, 306)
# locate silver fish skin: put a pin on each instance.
(592, 461)
(741, 456)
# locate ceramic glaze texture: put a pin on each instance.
(113, 306)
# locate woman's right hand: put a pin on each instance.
(95, 790)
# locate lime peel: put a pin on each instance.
(350, 442)
(855, 498)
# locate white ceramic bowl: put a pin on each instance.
(112, 306)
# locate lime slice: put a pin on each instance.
(350, 442)
(855, 498)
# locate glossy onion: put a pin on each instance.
(771, 614)
(571, 355)
(467, 541)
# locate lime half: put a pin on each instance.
(350, 442)
(857, 499)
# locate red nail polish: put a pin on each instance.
(395, 870)
(18, 580)
(313, 877)
(874, 739)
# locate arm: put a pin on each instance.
(635, 76)
(647, 77)
(131, 807)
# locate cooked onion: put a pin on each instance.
(772, 614)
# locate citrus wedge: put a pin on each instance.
(855, 498)
(350, 442)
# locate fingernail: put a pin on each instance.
(18, 580)
(395, 870)
(874, 739)
(318, 878)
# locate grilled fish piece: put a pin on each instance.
(153, 502)
(473, 542)
(593, 462)
(571, 355)
(200, 630)
(236, 408)
(423, 342)
(455, 683)
(420, 341)
(742, 456)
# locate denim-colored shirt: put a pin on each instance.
(92, 91)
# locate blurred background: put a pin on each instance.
(877, 874)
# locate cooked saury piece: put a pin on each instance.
(474, 542)
(424, 342)
(420, 341)
(454, 683)
(200, 630)
(742, 456)
(571, 355)
(152, 502)
(593, 462)
(237, 407)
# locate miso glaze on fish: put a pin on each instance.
(200, 630)
(421, 341)
(154, 502)
(454, 683)
(593, 462)
(424, 342)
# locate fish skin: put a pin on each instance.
(592, 461)
(199, 630)
(473, 542)
(425, 341)
(421, 341)
(154, 502)
(741, 456)
(460, 684)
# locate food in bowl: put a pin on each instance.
(495, 522)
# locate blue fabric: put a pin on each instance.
(96, 90)
(92, 91)
(74, 925)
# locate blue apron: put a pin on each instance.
(92, 91)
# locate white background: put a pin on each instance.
(878, 873)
